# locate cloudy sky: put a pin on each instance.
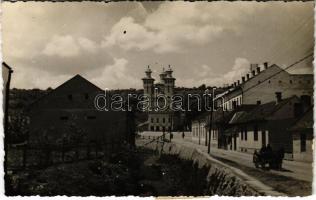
(112, 43)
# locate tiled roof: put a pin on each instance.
(306, 122)
(260, 112)
(223, 117)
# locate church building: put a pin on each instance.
(160, 116)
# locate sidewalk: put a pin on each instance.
(297, 170)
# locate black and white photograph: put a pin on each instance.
(164, 99)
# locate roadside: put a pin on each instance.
(294, 180)
(296, 170)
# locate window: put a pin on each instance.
(303, 142)
(291, 81)
(70, 96)
(269, 81)
(280, 81)
(242, 135)
(163, 120)
(152, 128)
(255, 133)
(152, 120)
(64, 118)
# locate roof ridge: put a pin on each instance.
(60, 86)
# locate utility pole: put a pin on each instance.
(210, 121)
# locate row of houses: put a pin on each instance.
(268, 106)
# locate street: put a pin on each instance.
(297, 170)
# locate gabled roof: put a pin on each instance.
(260, 112)
(305, 122)
(77, 78)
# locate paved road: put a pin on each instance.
(296, 170)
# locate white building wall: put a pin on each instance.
(306, 156)
(250, 145)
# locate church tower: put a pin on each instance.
(169, 82)
(148, 83)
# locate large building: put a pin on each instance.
(159, 95)
(69, 112)
(262, 83)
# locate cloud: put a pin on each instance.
(41, 79)
(205, 75)
(63, 46)
(136, 36)
(239, 69)
(68, 46)
(201, 40)
(165, 30)
(116, 76)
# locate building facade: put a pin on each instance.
(261, 83)
(269, 123)
(302, 135)
(160, 116)
(68, 112)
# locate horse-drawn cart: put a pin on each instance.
(268, 160)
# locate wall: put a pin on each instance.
(71, 106)
(160, 116)
(306, 156)
(250, 145)
(283, 82)
(262, 86)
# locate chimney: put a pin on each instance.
(258, 70)
(265, 64)
(278, 96)
(253, 67)
(238, 82)
(248, 76)
(243, 79)
(258, 102)
(253, 73)
(235, 84)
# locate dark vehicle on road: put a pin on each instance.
(268, 160)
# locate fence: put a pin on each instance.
(25, 156)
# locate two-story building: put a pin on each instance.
(260, 85)
(69, 111)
